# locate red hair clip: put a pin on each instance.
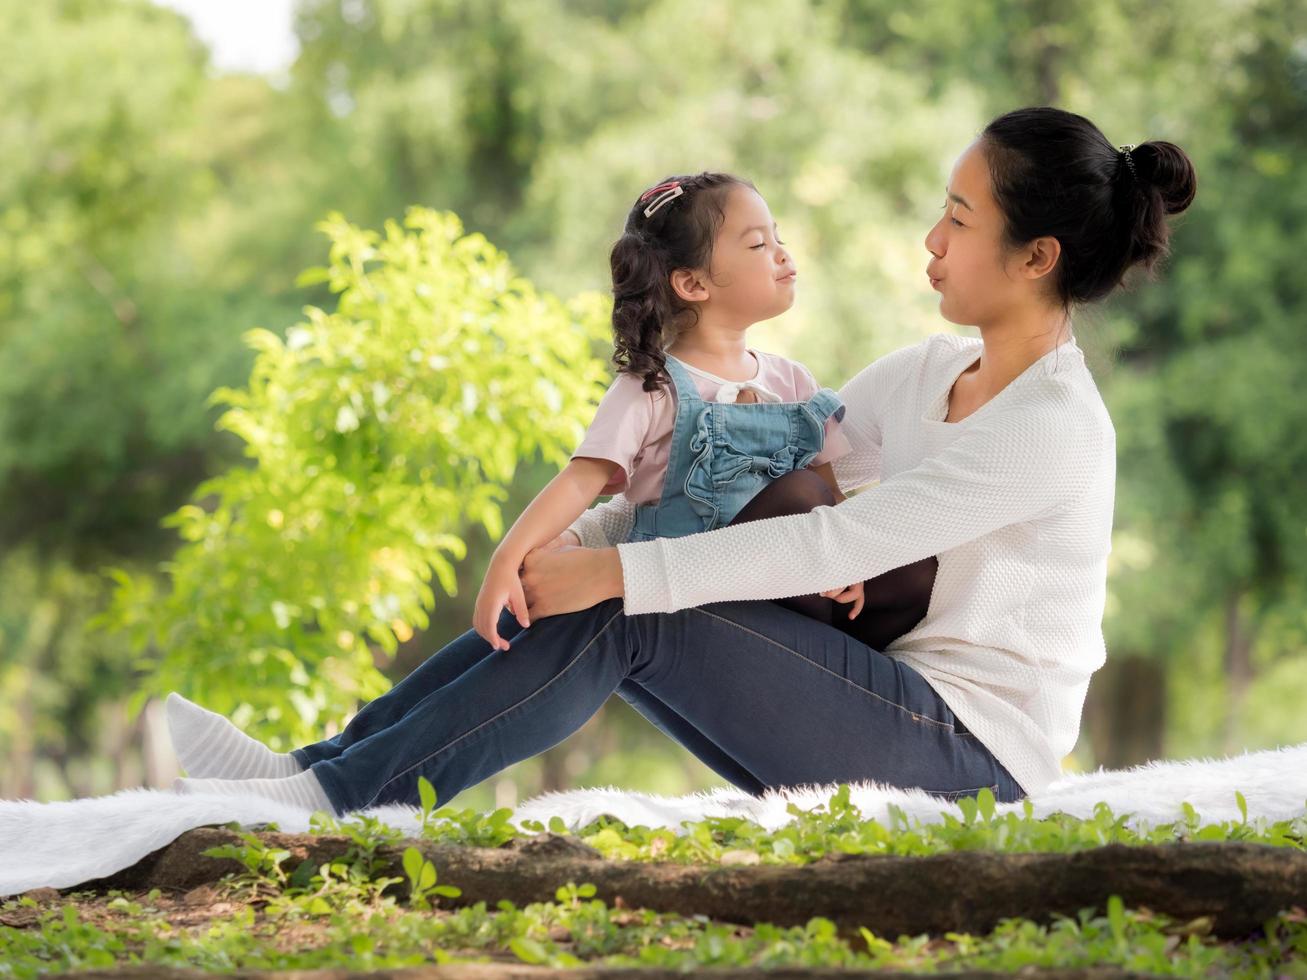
(668, 192)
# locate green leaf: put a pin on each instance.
(427, 795)
(528, 950)
(413, 860)
(312, 276)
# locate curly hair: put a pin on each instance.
(647, 313)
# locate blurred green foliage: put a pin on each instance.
(377, 431)
(154, 216)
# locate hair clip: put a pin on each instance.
(670, 191)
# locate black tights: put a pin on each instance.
(894, 601)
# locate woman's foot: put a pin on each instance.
(302, 790)
(209, 745)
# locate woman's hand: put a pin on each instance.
(851, 594)
(568, 579)
(567, 539)
(501, 586)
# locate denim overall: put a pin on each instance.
(723, 454)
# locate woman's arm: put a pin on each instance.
(1010, 467)
(605, 524)
(866, 394)
(558, 582)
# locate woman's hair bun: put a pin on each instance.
(1054, 173)
(1168, 169)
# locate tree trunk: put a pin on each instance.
(1046, 15)
(34, 655)
(524, 971)
(553, 769)
(1232, 887)
(1240, 633)
(1125, 711)
(157, 755)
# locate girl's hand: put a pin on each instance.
(501, 587)
(568, 579)
(851, 594)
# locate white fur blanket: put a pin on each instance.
(66, 843)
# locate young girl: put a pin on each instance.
(699, 430)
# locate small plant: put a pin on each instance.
(422, 880)
(262, 863)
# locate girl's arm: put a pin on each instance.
(553, 509)
(620, 428)
(560, 503)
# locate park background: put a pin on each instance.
(266, 408)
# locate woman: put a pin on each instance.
(997, 456)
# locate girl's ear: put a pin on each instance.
(689, 285)
(1040, 257)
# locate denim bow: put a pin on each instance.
(732, 464)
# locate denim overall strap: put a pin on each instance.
(689, 405)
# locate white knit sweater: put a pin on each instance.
(1015, 500)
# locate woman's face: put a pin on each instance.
(975, 274)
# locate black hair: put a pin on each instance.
(678, 235)
(1054, 173)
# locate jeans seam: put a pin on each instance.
(467, 734)
(953, 794)
(915, 717)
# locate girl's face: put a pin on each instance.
(751, 276)
(978, 278)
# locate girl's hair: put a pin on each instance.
(1054, 173)
(679, 234)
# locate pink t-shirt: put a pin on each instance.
(633, 427)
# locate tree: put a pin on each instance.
(377, 431)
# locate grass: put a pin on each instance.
(344, 911)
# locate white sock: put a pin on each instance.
(302, 789)
(211, 746)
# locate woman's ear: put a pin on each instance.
(1040, 257)
(689, 285)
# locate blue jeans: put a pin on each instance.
(763, 695)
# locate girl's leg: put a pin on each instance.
(797, 492)
(894, 601)
(790, 700)
(435, 672)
